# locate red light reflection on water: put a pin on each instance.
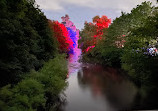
(99, 78)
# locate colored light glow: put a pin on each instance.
(62, 35)
(100, 23)
(72, 35)
(90, 47)
(73, 32)
(66, 33)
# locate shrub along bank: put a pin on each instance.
(38, 90)
(126, 42)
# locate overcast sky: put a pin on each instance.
(80, 11)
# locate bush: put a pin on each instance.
(37, 89)
(105, 55)
(25, 39)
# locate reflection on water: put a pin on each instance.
(73, 63)
(96, 88)
(107, 83)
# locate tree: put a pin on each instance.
(135, 59)
(92, 32)
(25, 39)
(61, 34)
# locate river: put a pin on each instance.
(92, 87)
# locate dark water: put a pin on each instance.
(96, 88)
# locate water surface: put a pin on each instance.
(92, 87)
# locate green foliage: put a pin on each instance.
(53, 75)
(105, 55)
(25, 39)
(108, 50)
(87, 35)
(37, 89)
(126, 41)
(92, 32)
(26, 43)
(26, 95)
(141, 67)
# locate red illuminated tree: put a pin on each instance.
(61, 33)
(101, 23)
(92, 32)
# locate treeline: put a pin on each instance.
(38, 90)
(130, 43)
(93, 32)
(66, 34)
(25, 39)
(126, 44)
(65, 43)
(27, 44)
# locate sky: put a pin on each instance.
(80, 11)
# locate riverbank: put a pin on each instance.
(93, 87)
(38, 90)
(146, 96)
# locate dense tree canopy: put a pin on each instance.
(25, 39)
(127, 43)
(92, 32)
(62, 35)
(26, 44)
